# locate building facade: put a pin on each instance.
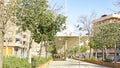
(16, 43)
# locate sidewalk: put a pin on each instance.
(73, 64)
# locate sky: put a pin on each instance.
(76, 8)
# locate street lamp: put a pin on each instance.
(79, 47)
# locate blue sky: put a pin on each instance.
(76, 8)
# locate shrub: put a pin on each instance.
(36, 61)
(13, 62)
(107, 60)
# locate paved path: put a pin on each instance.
(73, 64)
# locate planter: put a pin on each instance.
(109, 64)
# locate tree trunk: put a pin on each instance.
(41, 46)
(40, 49)
(46, 54)
(29, 50)
(106, 53)
(90, 54)
(96, 54)
(1, 47)
(103, 54)
(1, 30)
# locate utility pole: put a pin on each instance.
(1, 30)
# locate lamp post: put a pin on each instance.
(79, 28)
(79, 47)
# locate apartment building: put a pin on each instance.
(105, 20)
(16, 43)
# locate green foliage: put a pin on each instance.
(107, 36)
(35, 16)
(13, 62)
(107, 60)
(76, 50)
(36, 60)
(70, 52)
(83, 49)
(52, 49)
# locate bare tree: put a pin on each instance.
(86, 24)
(117, 5)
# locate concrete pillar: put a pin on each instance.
(66, 44)
(13, 52)
(19, 53)
(29, 60)
(6, 51)
(26, 53)
(22, 53)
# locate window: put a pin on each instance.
(18, 42)
(17, 39)
(7, 39)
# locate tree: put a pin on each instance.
(95, 44)
(6, 14)
(110, 35)
(1, 30)
(85, 24)
(35, 16)
(75, 50)
(83, 49)
(107, 36)
(52, 50)
(70, 52)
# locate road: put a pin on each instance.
(73, 64)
